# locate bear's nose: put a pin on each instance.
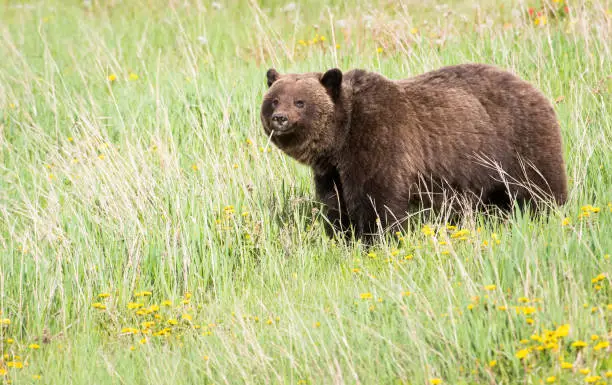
(280, 119)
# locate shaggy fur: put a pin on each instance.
(379, 148)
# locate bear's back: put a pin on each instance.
(459, 124)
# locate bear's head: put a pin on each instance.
(302, 113)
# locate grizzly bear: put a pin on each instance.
(380, 148)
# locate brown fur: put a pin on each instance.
(380, 147)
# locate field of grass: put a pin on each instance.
(149, 233)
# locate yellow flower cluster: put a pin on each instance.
(588, 210)
(318, 39)
(460, 234)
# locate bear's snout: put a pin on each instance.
(279, 121)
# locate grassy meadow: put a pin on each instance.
(150, 234)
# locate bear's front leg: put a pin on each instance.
(368, 204)
(329, 191)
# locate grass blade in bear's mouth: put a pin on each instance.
(282, 132)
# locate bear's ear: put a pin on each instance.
(332, 81)
(272, 76)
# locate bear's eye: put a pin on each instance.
(299, 104)
(274, 103)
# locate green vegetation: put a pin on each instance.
(150, 234)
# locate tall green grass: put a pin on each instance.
(134, 163)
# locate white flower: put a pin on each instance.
(202, 40)
(289, 7)
(216, 5)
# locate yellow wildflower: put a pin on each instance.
(551, 379)
(521, 354)
(103, 295)
(134, 305)
(601, 345)
(540, 20)
(460, 234)
(172, 322)
(34, 346)
(527, 310)
(133, 76)
(492, 363)
(129, 331)
(579, 344)
(163, 332)
(590, 209)
(186, 317)
(5, 321)
(567, 365)
(536, 338)
(490, 287)
(365, 295)
(99, 305)
(563, 330)
(435, 381)
(585, 371)
(592, 379)
(112, 77)
(15, 364)
(427, 230)
(143, 294)
(598, 278)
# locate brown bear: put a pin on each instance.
(380, 148)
